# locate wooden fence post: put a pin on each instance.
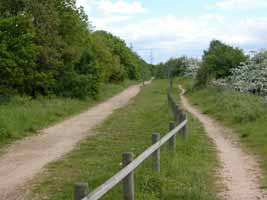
(175, 113)
(178, 110)
(169, 100)
(156, 154)
(128, 181)
(81, 190)
(184, 129)
(172, 142)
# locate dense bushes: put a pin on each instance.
(218, 61)
(128, 64)
(250, 76)
(228, 67)
(47, 47)
(18, 54)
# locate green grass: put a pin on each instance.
(23, 117)
(245, 113)
(187, 174)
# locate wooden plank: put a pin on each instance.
(113, 181)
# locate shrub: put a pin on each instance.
(218, 61)
(250, 76)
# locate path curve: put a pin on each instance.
(240, 171)
(25, 158)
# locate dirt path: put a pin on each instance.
(239, 170)
(26, 158)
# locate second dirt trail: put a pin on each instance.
(239, 171)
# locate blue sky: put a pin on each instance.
(171, 28)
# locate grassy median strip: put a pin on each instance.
(23, 116)
(245, 113)
(187, 174)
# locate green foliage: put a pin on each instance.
(11, 8)
(112, 69)
(176, 67)
(160, 71)
(186, 175)
(128, 64)
(18, 55)
(172, 66)
(81, 79)
(47, 47)
(218, 61)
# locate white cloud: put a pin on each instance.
(105, 22)
(86, 4)
(169, 29)
(173, 36)
(109, 7)
(236, 4)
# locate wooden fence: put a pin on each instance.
(126, 175)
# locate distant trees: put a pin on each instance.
(222, 65)
(47, 47)
(218, 61)
(177, 67)
(229, 67)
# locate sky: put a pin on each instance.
(173, 28)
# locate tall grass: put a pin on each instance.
(22, 116)
(235, 106)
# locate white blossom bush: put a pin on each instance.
(192, 67)
(249, 77)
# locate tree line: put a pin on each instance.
(217, 62)
(222, 65)
(48, 47)
(181, 66)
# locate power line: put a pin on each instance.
(151, 54)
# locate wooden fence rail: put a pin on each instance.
(125, 175)
(178, 113)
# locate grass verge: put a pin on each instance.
(22, 117)
(246, 114)
(188, 174)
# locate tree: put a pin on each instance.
(177, 67)
(10, 8)
(18, 54)
(130, 64)
(82, 79)
(218, 61)
(48, 47)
